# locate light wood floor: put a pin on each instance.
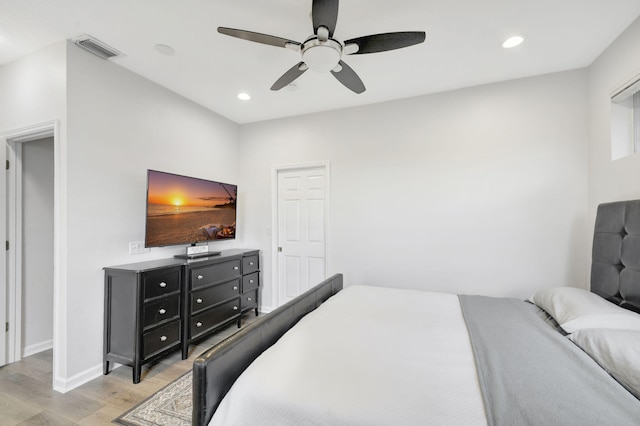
(27, 397)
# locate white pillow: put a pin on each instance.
(577, 309)
(617, 351)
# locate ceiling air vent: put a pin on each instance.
(96, 47)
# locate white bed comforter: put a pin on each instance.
(367, 356)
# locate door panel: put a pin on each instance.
(291, 276)
(292, 223)
(315, 220)
(3, 256)
(301, 230)
(316, 269)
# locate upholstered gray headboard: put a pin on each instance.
(615, 265)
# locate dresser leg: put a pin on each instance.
(137, 368)
(239, 322)
(106, 367)
(256, 311)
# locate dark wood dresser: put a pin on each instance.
(216, 292)
(153, 308)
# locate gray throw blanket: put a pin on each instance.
(532, 375)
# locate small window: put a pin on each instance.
(625, 120)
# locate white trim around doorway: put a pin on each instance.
(13, 139)
(274, 220)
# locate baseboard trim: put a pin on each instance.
(37, 348)
(65, 385)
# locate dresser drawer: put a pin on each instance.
(250, 282)
(250, 264)
(162, 310)
(214, 317)
(216, 273)
(156, 284)
(249, 300)
(202, 299)
(160, 339)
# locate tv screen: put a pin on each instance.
(187, 210)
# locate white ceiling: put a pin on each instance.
(463, 45)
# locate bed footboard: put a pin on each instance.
(218, 368)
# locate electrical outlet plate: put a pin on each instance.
(137, 247)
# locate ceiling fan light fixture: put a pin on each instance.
(322, 53)
(321, 56)
(321, 59)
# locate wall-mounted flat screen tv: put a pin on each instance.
(188, 210)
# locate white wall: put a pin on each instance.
(481, 190)
(120, 124)
(33, 91)
(619, 179)
(37, 246)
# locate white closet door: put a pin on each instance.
(301, 231)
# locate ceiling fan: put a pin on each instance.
(321, 52)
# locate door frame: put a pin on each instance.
(275, 170)
(13, 140)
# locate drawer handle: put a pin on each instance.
(250, 281)
(198, 300)
(250, 263)
(163, 284)
(163, 338)
(249, 299)
(235, 268)
(200, 277)
(198, 324)
(162, 311)
(235, 308)
(235, 287)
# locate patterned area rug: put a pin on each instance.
(170, 406)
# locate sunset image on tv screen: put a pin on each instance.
(184, 210)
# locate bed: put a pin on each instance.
(373, 355)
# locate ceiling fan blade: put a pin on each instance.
(293, 73)
(387, 41)
(257, 37)
(324, 14)
(348, 77)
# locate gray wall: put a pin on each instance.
(37, 246)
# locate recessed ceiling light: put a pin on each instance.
(513, 42)
(165, 49)
(244, 96)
